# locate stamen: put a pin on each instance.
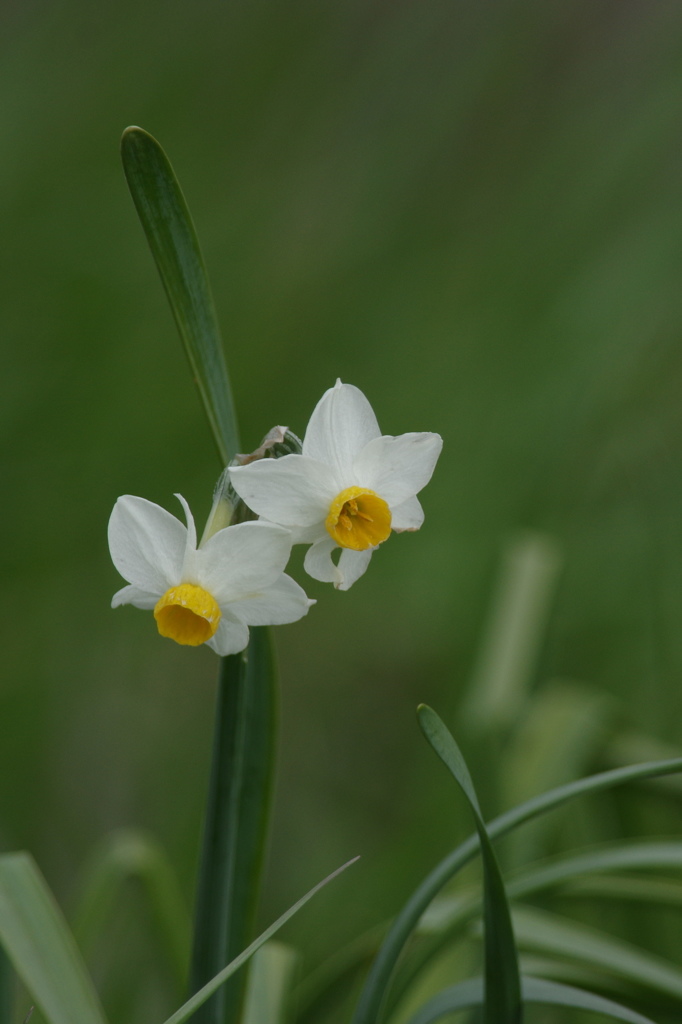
(358, 519)
(187, 614)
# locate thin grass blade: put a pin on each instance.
(469, 994)
(372, 999)
(172, 239)
(502, 983)
(43, 952)
(236, 822)
(200, 997)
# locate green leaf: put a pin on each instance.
(200, 997)
(551, 934)
(617, 887)
(270, 976)
(236, 821)
(42, 949)
(630, 856)
(446, 917)
(170, 233)
(130, 854)
(469, 994)
(502, 984)
(373, 996)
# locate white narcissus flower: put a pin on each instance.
(210, 594)
(349, 488)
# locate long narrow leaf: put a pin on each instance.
(170, 233)
(446, 918)
(469, 994)
(372, 999)
(551, 934)
(236, 822)
(200, 997)
(42, 949)
(502, 984)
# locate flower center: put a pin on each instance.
(358, 519)
(187, 614)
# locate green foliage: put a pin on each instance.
(168, 226)
(38, 942)
(502, 1003)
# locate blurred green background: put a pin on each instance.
(472, 211)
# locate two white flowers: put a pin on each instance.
(349, 488)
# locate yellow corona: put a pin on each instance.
(187, 614)
(358, 519)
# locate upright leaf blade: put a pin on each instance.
(38, 942)
(502, 982)
(269, 987)
(170, 233)
(236, 822)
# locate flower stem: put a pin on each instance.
(236, 823)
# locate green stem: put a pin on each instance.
(236, 823)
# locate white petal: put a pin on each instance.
(135, 596)
(398, 467)
(230, 637)
(318, 561)
(243, 559)
(283, 602)
(342, 423)
(293, 490)
(190, 556)
(308, 534)
(352, 564)
(407, 516)
(147, 544)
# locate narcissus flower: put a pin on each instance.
(210, 594)
(348, 489)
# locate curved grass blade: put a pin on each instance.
(373, 996)
(632, 856)
(627, 888)
(170, 233)
(502, 985)
(200, 997)
(550, 934)
(442, 924)
(469, 994)
(236, 822)
(37, 940)
(126, 855)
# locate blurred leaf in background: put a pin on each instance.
(471, 211)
